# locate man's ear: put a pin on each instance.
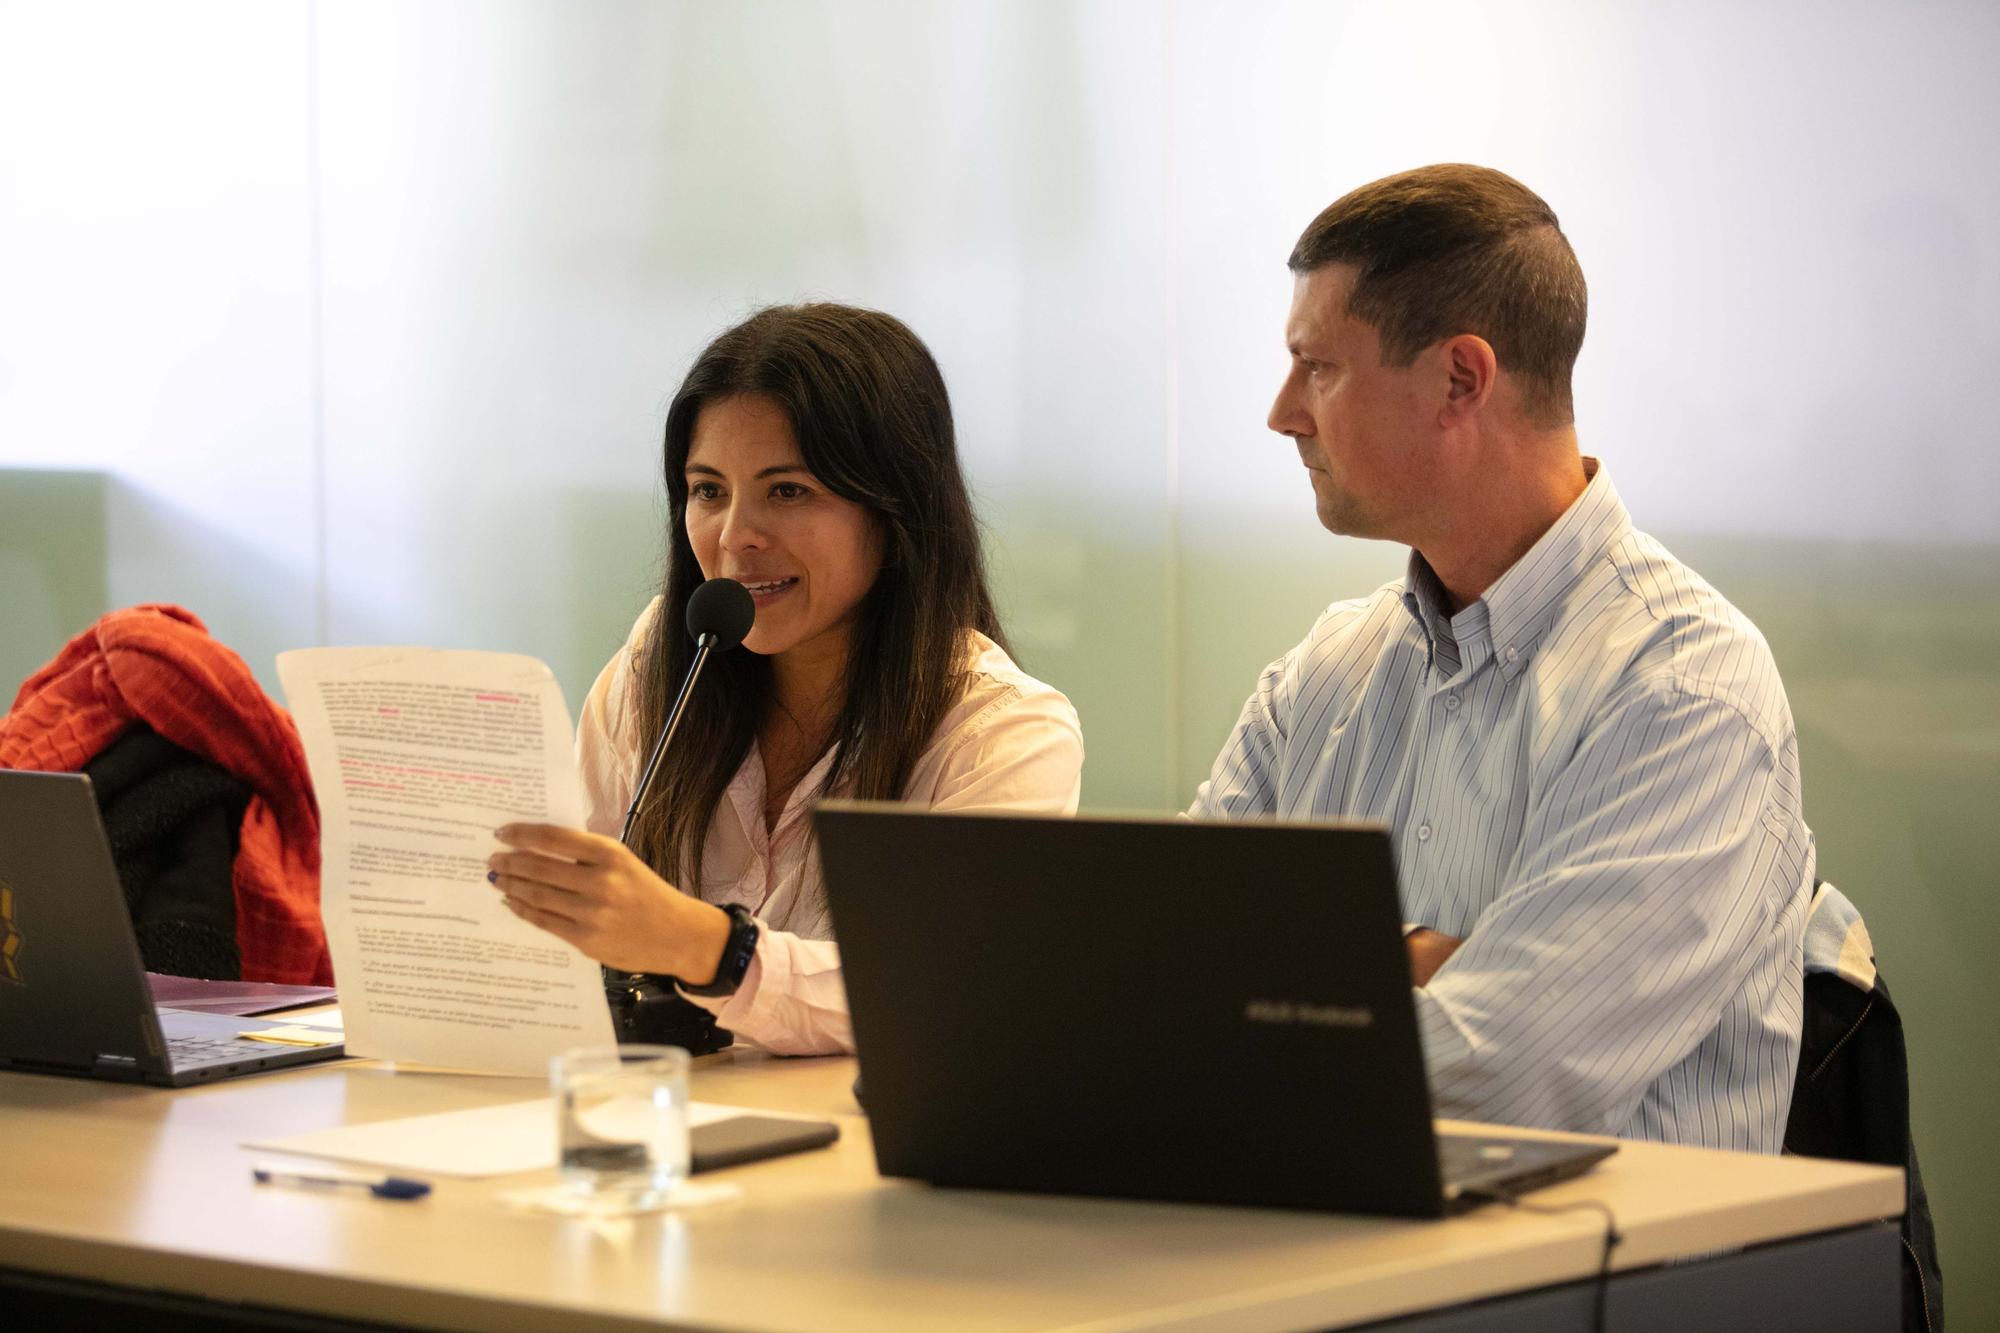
(1472, 372)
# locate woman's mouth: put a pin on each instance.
(764, 590)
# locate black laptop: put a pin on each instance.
(73, 994)
(1148, 1008)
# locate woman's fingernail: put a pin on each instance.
(492, 877)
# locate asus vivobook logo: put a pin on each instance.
(1310, 1015)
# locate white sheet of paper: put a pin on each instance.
(295, 1034)
(417, 755)
(488, 1141)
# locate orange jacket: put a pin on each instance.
(158, 665)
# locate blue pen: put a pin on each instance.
(382, 1187)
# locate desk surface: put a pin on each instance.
(150, 1188)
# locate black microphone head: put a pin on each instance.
(721, 607)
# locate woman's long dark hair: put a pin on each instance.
(873, 422)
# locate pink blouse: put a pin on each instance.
(1010, 743)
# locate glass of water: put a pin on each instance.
(621, 1121)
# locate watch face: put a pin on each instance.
(737, 952)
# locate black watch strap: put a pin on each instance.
(737, 952)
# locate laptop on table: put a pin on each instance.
(1148, 1008)
(73, 992)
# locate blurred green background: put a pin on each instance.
(355, 323)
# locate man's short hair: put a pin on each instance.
(1453, 249)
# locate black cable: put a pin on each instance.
(1612, 1237)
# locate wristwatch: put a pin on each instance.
(737, 952)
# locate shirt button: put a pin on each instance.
(1511, 653)
(1424, 832)
(1451, 701)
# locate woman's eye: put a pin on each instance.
(704, 490)
(789, 490)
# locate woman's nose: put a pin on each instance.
(743, 530)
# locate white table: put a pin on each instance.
(115, 1191)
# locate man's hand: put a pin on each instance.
(593, 892)
(1428, 950)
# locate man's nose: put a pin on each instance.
(1288, 416)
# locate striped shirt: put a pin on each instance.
(1591, 776)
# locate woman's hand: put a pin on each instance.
(593, 892)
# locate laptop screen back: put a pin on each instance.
(72, 990)
(1142, 1008)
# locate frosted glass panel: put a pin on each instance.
(154, 301)
(535, 216)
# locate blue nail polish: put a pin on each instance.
(492, 877)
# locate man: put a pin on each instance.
(1583, 751)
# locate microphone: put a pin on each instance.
(719, 615)
(646, 1008)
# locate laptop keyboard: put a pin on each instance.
(185, 1051)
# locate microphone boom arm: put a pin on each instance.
(703, 646)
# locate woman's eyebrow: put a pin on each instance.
(707, 471)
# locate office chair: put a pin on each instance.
(1851, 1097)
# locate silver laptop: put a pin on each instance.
(73, 993)
(1148, 1008)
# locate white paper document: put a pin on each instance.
(417, 755)
(488, 1141)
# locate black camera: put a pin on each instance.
(647, 1008)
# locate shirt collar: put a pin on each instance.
(746, 792)
(1423, 598)
(1524, 600)
(1512, 614)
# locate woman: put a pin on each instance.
(810, 457)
